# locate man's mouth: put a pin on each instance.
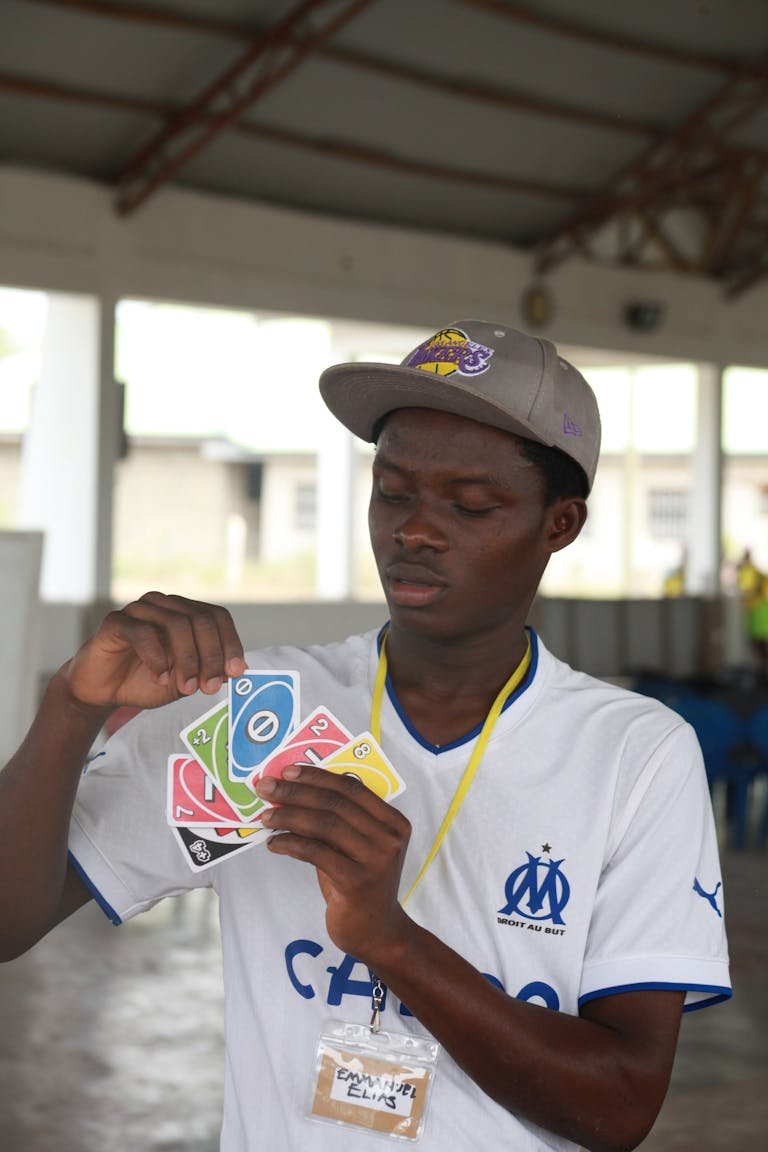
(413, 587)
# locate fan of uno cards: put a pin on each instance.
(211, 804)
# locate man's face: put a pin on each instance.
(458, 524)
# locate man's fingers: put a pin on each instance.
(218, 644)
(200, 640)
(146, 640)
(345, 827)
(151, 629)
(345, 796)
(341, 870)
(319, 826)
(338, 813)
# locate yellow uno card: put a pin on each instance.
(363, 758)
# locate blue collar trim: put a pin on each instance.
(436, 749)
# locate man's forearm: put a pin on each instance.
(37, 791)
(583, 1079)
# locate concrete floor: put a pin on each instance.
(110, 1039)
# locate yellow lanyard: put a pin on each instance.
(477, 754)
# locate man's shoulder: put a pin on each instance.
(611, 696)
(334, 655)
(344, 661)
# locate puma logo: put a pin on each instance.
(708, 896)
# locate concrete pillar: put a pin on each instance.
(68, 451)
(705, 532)
(335, 511)
(110, 440)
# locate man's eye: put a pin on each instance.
(466, 511)
(391, 497)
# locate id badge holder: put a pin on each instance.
(376, 1080)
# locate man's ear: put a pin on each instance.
(567, 517)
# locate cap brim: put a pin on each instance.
(360, 395)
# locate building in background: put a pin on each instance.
(217, 494)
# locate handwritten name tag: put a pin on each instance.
(377, 1081)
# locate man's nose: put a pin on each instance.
(421, 528)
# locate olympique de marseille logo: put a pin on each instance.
(537, 890)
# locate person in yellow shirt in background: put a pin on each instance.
(674, 581)
(753, 587)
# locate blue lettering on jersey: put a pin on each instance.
(544, 896)
(343, 983)
(310, 948)
(538, 990)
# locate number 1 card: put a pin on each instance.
(193, 798)
(207, 739)
(319, 736)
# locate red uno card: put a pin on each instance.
(193, 798)
(320, 735)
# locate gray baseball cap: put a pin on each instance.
(486, 372)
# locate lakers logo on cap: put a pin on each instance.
(450, 350)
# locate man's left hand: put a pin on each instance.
(357, 843)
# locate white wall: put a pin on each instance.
(60, 233)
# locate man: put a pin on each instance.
(545, 894)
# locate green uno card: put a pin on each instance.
(207, 739)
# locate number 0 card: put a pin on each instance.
(263, 710)
(319, 736)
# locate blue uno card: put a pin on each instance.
(263, 710)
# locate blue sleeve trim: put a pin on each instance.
(717, 993)
(723, 994)
(105, 906)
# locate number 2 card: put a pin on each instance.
(320, 735)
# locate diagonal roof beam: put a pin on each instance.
(697, 150)
(743, 188)
(272, 56)
(745, 273)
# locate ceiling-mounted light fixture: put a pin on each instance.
(644, 315)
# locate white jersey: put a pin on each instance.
(583, 862)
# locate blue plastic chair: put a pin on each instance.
(757, 730)
(724, 738)
(664, 688)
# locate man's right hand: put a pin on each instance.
(154, 651)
